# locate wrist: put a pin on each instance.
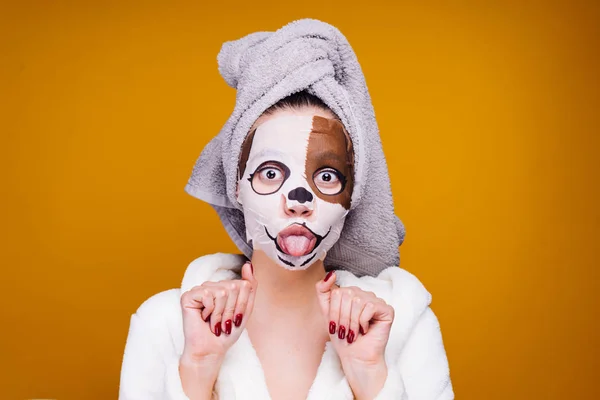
(199, 374)
(366, 379)
(201, 360)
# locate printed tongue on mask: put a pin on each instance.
(297, 245)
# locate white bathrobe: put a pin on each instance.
(415, 355)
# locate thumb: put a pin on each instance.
(248, 274)
(324, 291)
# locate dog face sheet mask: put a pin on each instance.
(295, 187)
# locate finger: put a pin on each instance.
(242, 302)
(334, 311)
(251, 295)
(345, 309)
(325, 285)
(208, 296)
(193, 300)
(209, 303)
(323, 288)
(220, 296)
(248, 288)
(383, 312)
(358, 304)
(248, 274)
(366, 315)
(232, 296)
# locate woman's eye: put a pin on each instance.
(328, 181)
(268, 178)
(270, 174)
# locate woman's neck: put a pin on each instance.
(282, 290)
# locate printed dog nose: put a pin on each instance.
(300, 194)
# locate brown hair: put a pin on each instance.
(299, 100)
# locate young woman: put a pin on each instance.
(317, 306)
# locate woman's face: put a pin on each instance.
(295, 186)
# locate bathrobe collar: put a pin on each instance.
(242, 376)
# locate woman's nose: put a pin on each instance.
(299, 203)
(298, 210)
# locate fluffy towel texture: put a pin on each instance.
(265, 67)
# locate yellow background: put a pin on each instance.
(489, 117)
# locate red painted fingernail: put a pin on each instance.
(238, 319)
(328, 275)
(228, 327)
(350, 336)
(342, 332)
(361, 330)
(331, 327)
(218, 329)
(252, 268)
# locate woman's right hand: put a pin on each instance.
(215, 314)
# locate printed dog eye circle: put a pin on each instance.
(269, 177)
(329, 181)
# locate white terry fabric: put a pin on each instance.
(415, 354)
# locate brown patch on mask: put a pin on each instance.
(329, 145)
(245, 153)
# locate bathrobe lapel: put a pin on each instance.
(242, 376)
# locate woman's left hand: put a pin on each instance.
(359, 326)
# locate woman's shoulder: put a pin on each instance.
(393, 284)
(211, 267)
(401, 290)
(159, 305)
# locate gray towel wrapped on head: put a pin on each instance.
(266, 67)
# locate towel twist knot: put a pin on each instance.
(292, 50)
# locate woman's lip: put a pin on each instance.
(297, 230)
